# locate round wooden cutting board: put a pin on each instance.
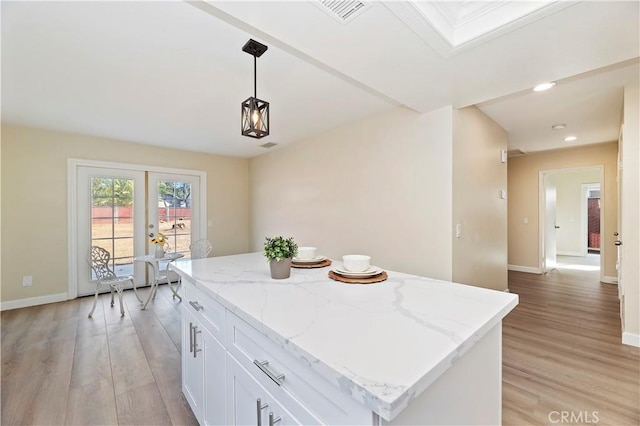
(353, 280)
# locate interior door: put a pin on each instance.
(110, 214)
(550, 227)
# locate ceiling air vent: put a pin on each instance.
(342, 11)
(268, 144)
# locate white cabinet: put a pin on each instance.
(192, 367)
(203, 370)
(249, 402)
(227, 366)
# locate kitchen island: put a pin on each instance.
(307, 349)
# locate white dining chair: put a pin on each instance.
(98, 259)
(200, 248)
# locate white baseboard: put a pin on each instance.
(609, 280)
(631, 339)
(570, 253)
(528, 269)
(33, 301)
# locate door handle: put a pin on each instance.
(273, 420)
(618, 243)
(263, 367)
(196, 305)
(190, 337)
(259, 407)
(195, 342)
(557, 227)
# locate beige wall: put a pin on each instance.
(480, 254)
(630, 229)
(571, 236)
(380, 186)
(523, 178)
(34, 181)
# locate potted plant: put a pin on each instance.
(279, 251)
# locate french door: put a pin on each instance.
(173, 199)
(121, 209)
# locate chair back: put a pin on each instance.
(99, 260)
(200, 248)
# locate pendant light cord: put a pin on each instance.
(255, 78)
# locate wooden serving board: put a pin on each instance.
(351, 280)
(322, 264)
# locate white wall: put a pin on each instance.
(480, 254)
(524, 173)
(34, 202)
(571, 236)
(380, 186)
(630, 228)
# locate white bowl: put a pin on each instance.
(356, 262)
(306, 253)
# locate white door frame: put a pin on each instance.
(541, 211)
(72, 206)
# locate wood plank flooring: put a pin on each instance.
(60, 367)
(562, 354)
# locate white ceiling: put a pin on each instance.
(174, 74)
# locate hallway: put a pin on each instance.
(562, 353)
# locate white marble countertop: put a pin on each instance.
(382, 343)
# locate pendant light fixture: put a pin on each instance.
(255, 112)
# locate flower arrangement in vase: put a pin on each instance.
(160, 241)
(279, 251)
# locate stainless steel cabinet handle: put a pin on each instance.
(190, 337)
(259, 407)
(195, 342)
(196, 305)
(263, 367)
(618, 243)
(273, 420)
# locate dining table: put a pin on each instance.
(160, 275)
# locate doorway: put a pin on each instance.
(117, 206)
(591, 217)
(568, 239)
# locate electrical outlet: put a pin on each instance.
(27, 280)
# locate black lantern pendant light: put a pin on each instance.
(255, 112)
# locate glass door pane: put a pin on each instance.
(174, 210)
(174, 214)
(112, 221)
(111, 206)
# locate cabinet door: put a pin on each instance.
(192, 367)
(214, 379)
(246, 395)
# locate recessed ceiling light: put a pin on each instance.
(544, 86)
(570, 138)
(558, 126)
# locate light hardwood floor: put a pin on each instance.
(562, 353)
(60, 367)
